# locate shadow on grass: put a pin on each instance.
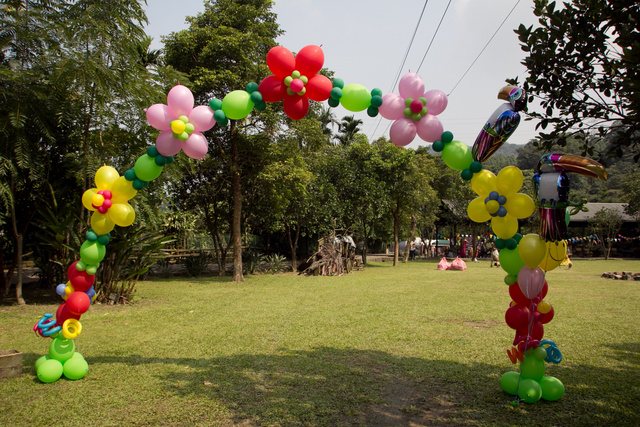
(330, 386)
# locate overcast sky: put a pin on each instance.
(365, 41)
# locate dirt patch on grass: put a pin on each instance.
(408, 404)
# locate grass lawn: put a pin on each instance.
(385, 346)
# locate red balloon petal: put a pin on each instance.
(281, 61)
(319, 88)
(296, 106)
(80, 280)
(309, 60)
(272, 89)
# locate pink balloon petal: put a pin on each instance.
(411, 86)
(392, 107)
(180, 100)
(167, 145)
(430, 128)
(196, 146)
(160, 116)
(436, 101)
(201, 118)
(402, 132)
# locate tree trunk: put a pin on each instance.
(293, 245)
(365, 245)
(407, 248)
(236, 188)
(396, 227)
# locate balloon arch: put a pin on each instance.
(414, 110)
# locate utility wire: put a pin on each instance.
(434, 36)
(485, 46)
(404, 60)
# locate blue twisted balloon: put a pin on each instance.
(553, 352)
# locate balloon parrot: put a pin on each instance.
(551, 186)
(502, 123)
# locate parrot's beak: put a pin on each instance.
(505, 91)
(575, 164)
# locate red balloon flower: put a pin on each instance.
(294, 79)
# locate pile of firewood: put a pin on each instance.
(326, 262)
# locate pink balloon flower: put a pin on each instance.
(294, 79)
(414, 111)
(181, 124)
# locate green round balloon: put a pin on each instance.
(41, 360)
(146, 168)
(355, 97)
(75, 368)
(61, 349)
(237, 104)
(510, 261)
(92, 252)
(510, 280)
(532, 368)
(529, 391)
(437, 146)
(457, 155)
(509, 382)
(552, 388)
(49, 371)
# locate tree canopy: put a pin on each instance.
(583, 64)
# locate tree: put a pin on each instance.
(631, 191)
(349, 127)
(584, 66)
(606, 224)
(223, 50)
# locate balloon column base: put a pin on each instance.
(530, 390)
(61, 360)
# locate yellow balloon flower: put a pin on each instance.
(109, 201)
(499, 201)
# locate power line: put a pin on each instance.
(485, 46)
(434, 36)
(404, 60)
(406, 54)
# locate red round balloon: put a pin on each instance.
(80, 280)
(63, 314)
(517, 317)
(309, 60)
(281, 61)
(547, 317)
(516, 294)
(272, 89)
(319, 88)
(78, 302)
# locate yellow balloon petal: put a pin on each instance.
(87, 198)
(122, 190)
(105, 176)
(477, 212)
(520, 205)
(483, 182)
(504, 227)
(101, 224)
(122, 214)
(509, 180)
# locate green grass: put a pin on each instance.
(383, 346)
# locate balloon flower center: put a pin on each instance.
(494, 204)
(102, 201)
(415, 109)
(181, 128)
(295, 83)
